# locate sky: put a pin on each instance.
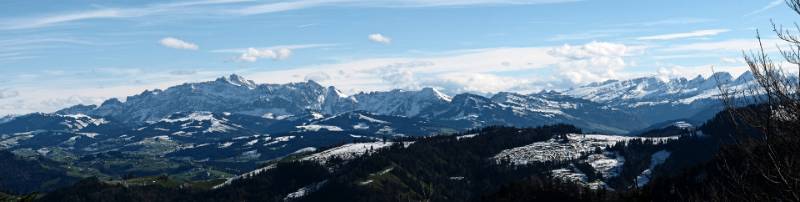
(54, 53)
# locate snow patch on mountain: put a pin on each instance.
(347, 151)
(197, 120)
(656, 159)
(570, 147)
(77, 122)
(683, 125)
(317, 128)
(608, 163)
(575, 175)
(6, 118)
(245, 176)
(277, 140)
(305, 150)
(361, 126)
(466, 136)
(305, 190)
(370, 119)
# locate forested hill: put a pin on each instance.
(21, 175)
(460, 167)
(466, 167)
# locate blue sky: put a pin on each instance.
(60, 53)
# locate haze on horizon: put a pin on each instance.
(55, 54)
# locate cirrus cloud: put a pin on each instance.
(684, 35)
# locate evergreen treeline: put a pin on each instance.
(21, 175)
(707, 167)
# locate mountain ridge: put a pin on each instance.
(235, 94)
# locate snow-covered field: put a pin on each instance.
(316, 128)
(608, 163)
(348, 151)
(574, 175)
(573, 147)
(303, 191)
(578, 146)
(245, 176)
(656, 159)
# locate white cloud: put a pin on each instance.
(591, 62)
(178, 44)
(482, 83)
(253, 54)
(290, 47)
(317, 76)
(591, 49)
(59, 103)
(401, 75)
(279, 52)
(732, 60)
(481, 70)
(89, 87)
(771, 5)
(692, 34)
(726, 45)
(413, 73)
(183, 72)
(8, 93)
(671, 21)
(379, 38)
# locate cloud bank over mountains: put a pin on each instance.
(74, 53)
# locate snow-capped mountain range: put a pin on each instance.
(232, 123)
(633, 103)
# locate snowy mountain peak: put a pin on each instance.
(237, 80)
(721, 77)
(745, 77)
(333, 92)
(651, 90)
(6, 118)
(312, 83)
(697, 79)
(428, 91)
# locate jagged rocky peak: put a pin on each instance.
(112, 101)
(471, 99)
(152, 92)
(697, 80)
(721, 77)
(6, 118)
(651, 90)
(237, 80)
(308, 85)
(77, 109)
(432, 92)
(745, 77)
(313, 83)
(335, 93)
(503, 97)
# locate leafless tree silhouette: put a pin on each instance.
(767, 167)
